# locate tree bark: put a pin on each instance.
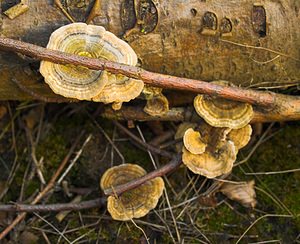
(240, 41)
(188, 114)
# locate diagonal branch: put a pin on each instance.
(151, 78)
(172, 165)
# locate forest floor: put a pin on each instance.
(38, 133)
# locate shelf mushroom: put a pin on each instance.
(134, 203)
(181, 129)
(240, 137)
(211, 164)
(193, 142)
(220, 112)
(118, 90)
(157, 103)
(83, 83)
(157, 106)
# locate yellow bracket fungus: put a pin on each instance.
(211, 164)
(240, 137)
(134, 203)
(192, 142)
(83, 83)
(220, 112)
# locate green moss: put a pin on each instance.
(136, 156)
(32, 186)
(91, 234)
(53, 148)
(280, 153)
(220, 219)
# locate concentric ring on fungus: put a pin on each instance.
(134, 203)
(119, 89)
(193, 142)
(220, 112)
(84, 40)
(240, 137)
(210, 164)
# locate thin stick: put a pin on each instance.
(274, 172)
(190, 115)
(260, 48)
(75, 159)
(58, 99)
(49, 186)
(95, 203)
(99, 202)
(261, 217)
(165, 81)
(118, 190)
(96, 11)
(145, 145)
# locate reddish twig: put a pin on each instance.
(48, 187)
(118, 190)
(155, 79)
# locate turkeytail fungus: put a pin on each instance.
(219, 112)
(211, 164)
(181, 129)
(157, 103)
(218, 152)
(134, 203)
(192, 142)
(83, 83)
(119, 89)
(240, 137)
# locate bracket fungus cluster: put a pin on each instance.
(86, 84)
(211, 151)
(211, 148)
(215, 157)
(134, 203)
(240, 137)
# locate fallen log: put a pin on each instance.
(244, 42)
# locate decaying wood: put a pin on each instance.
(188, 114)
(280, 106)
(241, 41)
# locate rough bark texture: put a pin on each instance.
(195, 39)
(188, 114)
